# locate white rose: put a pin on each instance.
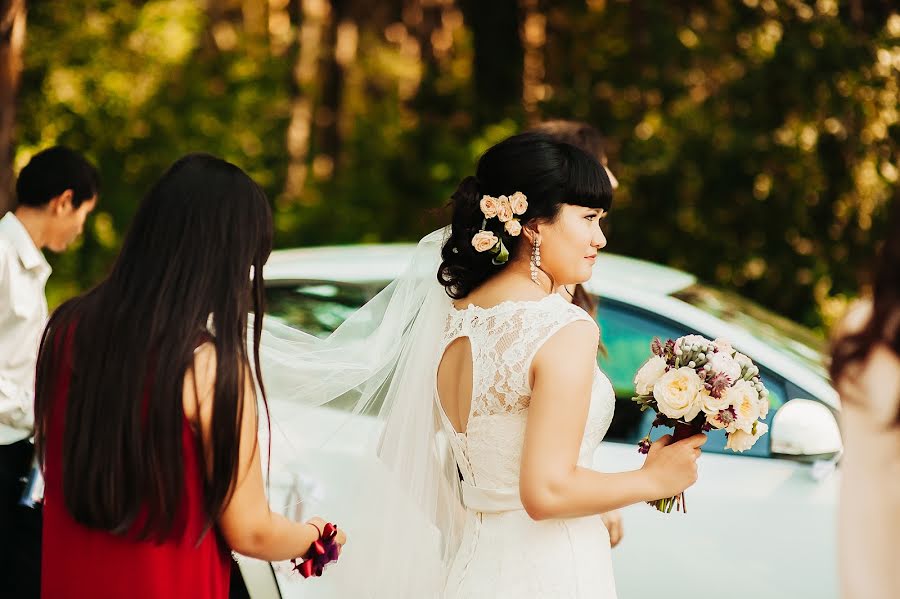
(713, 405)
(741, 440)
(677, 393)
(722, 362)
(649, 373)
(742, 396)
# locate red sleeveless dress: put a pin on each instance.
(79, 562)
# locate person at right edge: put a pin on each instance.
(865, 369)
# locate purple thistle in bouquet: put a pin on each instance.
(697, 385)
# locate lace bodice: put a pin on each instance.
(504, 340)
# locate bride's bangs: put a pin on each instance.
(588, 184)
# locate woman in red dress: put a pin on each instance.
(146, 405)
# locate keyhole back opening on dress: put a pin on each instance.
(454, 382)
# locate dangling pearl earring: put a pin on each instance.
(535, 260)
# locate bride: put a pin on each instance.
(487, 394)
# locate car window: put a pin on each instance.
(314, 306)
(627, 332)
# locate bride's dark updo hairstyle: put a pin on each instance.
(548, 172)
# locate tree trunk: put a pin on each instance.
(311, 18)
(338, 49)
(422, 20)
(498, 62)
(12, 41)
(534, 39)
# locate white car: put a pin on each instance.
(761, 524)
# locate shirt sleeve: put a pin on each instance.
(16, 400)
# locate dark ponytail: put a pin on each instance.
(463, 269)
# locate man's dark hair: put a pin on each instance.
(51, 172)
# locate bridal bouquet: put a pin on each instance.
(697, 385)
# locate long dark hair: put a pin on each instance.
(548, 172)
(187, 259)
(883, 326)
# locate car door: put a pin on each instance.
(756, 526)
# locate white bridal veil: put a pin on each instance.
(354, 414)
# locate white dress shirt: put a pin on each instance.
(23, 314)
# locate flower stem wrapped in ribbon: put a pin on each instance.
(323, 551)
(505, 209)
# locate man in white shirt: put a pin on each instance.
(55, 193)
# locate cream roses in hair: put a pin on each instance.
(483, 241)
(505, 209)
(518, 203)
(489, 206)
(513, 227)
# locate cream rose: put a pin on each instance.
(712, 405)
(742, 396)
(504, 210)
(649, 373)
(741, 440)
(483, 241)
(677, 393)
(720, 420)
(518, 202)
(722, 362)
(763, 406)
(723, 346)
(489, 206)
(513, 227)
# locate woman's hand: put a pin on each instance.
(613, 522)
(340, 538)
(672, 467)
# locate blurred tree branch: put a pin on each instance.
(12, 42)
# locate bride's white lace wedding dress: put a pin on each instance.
(504, 553)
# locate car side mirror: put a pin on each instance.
(805, 430)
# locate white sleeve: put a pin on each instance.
(16, 405)
(16, 400)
